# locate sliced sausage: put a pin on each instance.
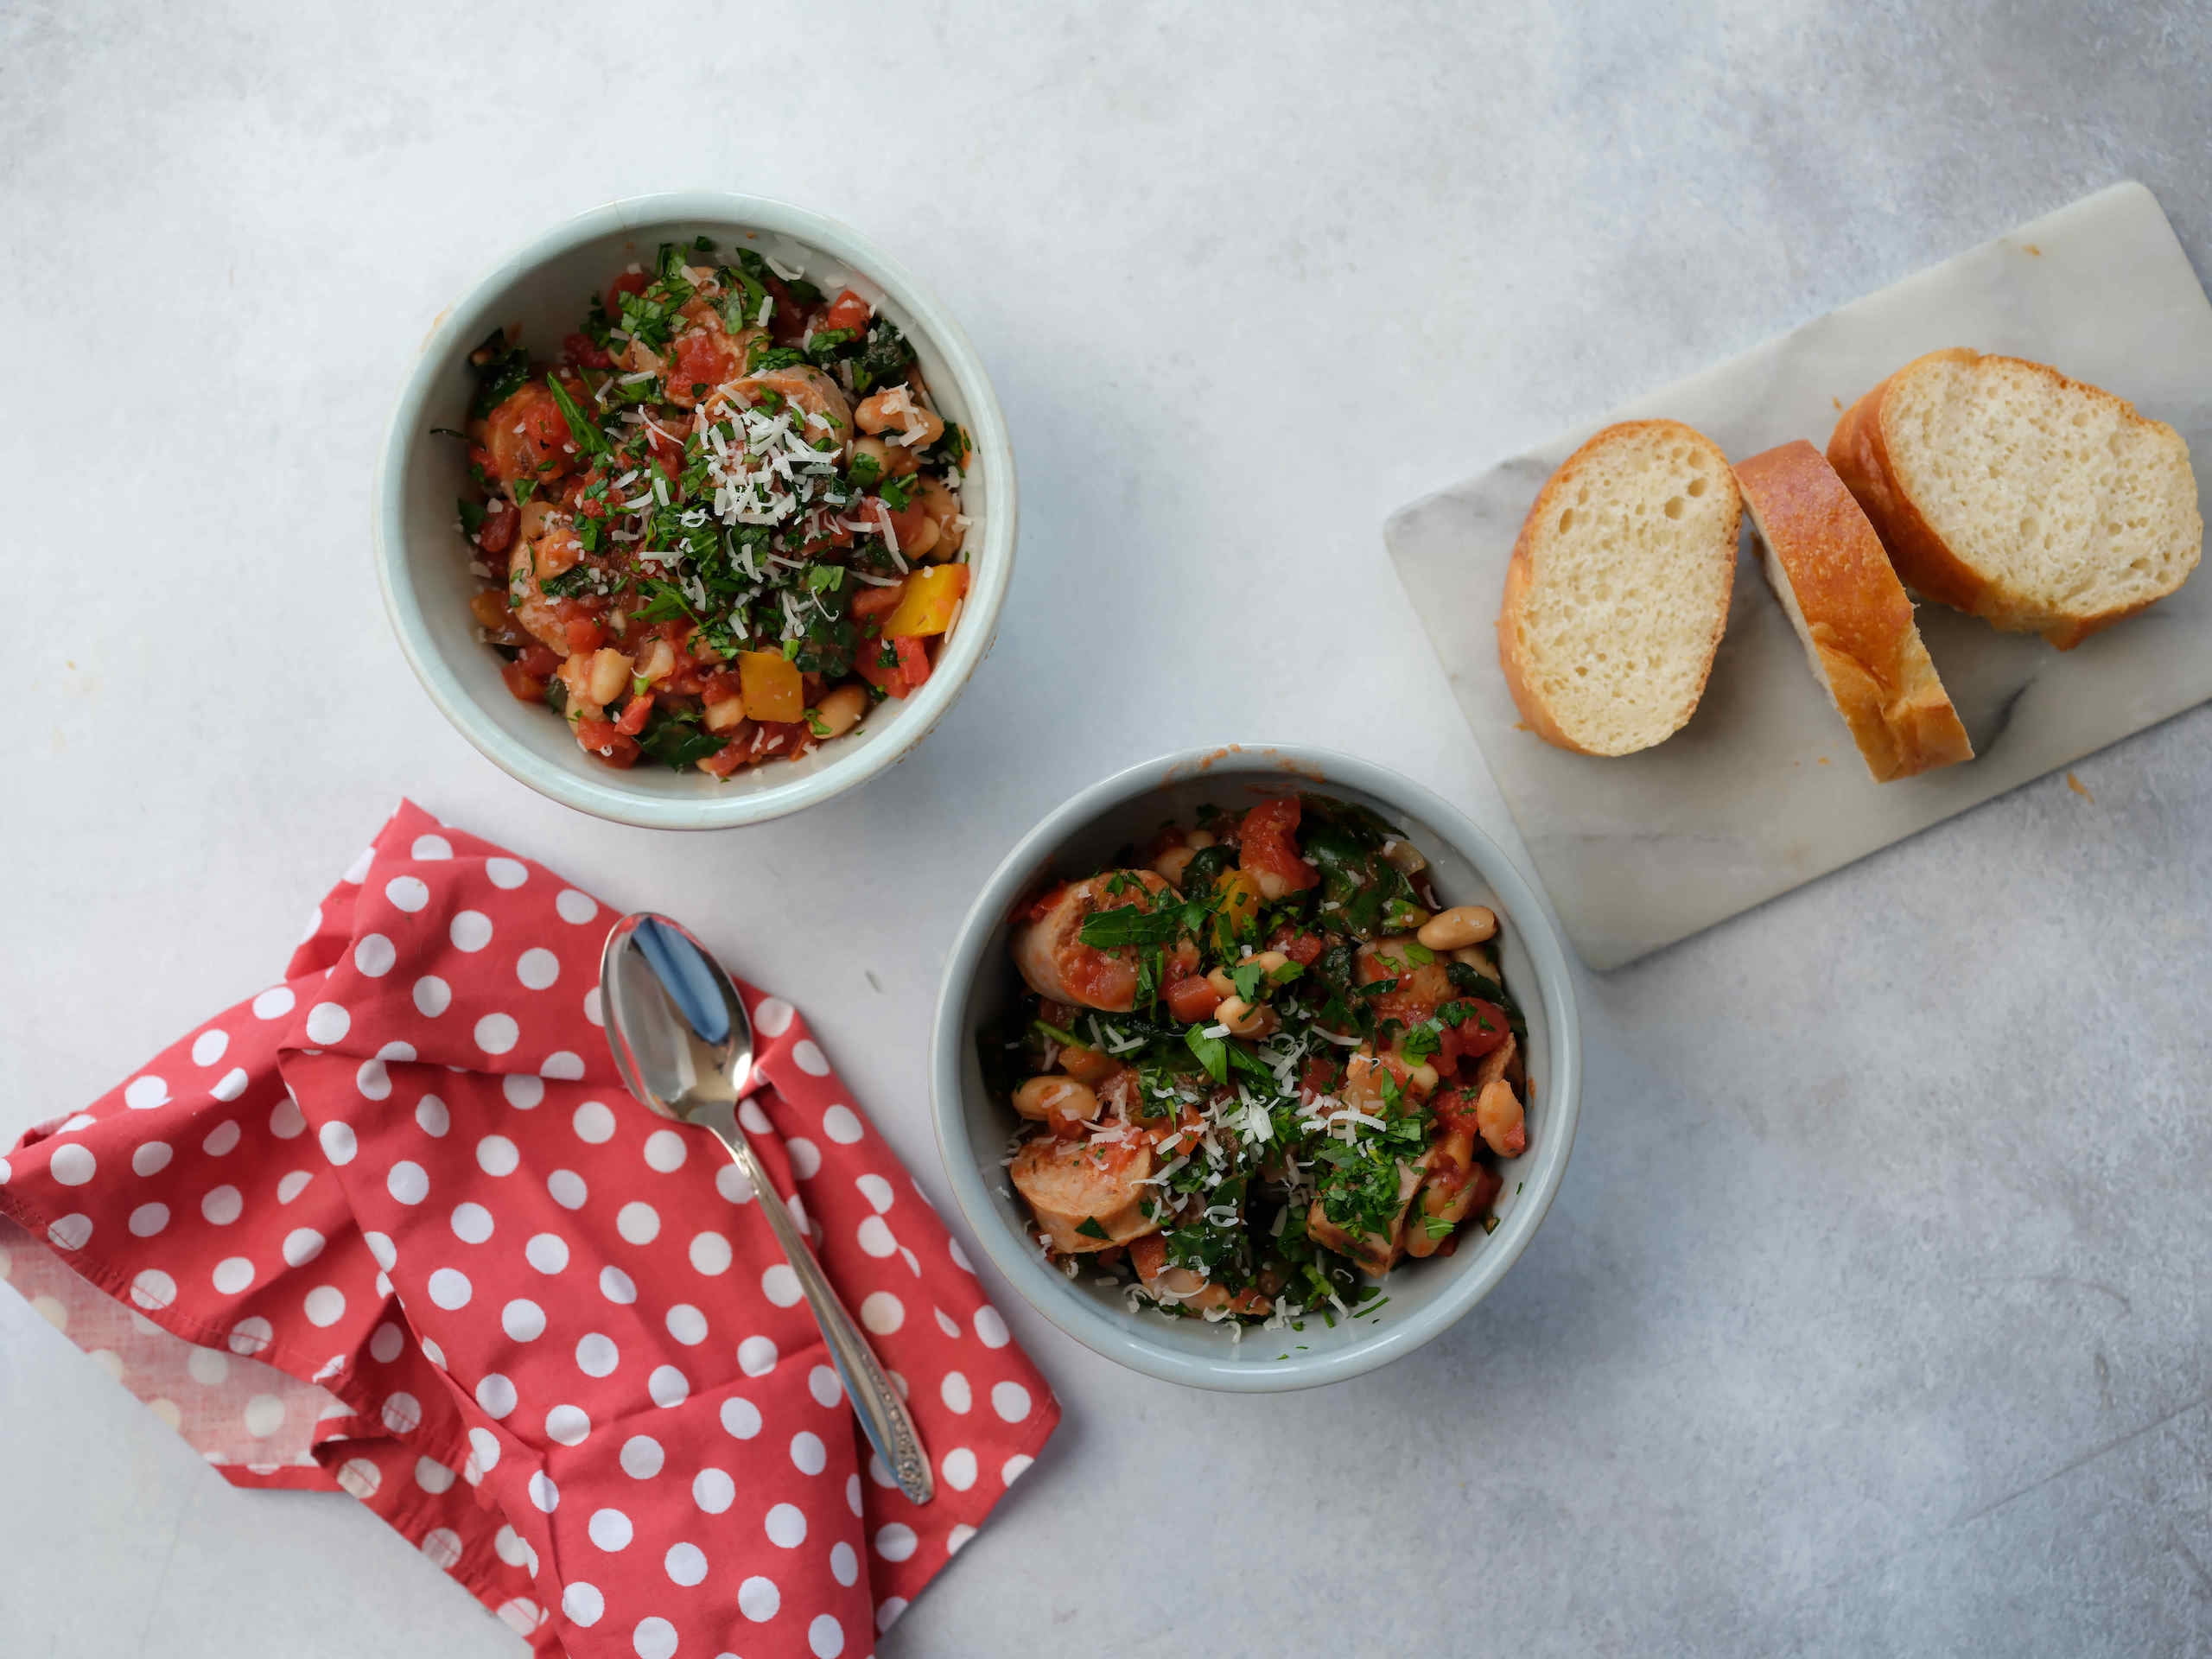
(1068, 1183)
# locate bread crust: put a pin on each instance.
(1858, 622)
(1520, 578)
(1859, 450)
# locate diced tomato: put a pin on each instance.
(1454, 1109)
(728, 759)
(497, 533)
(526, 686)
(586, 353)
(874, 601)
(1035, 911)
(905, 522)
(781, 740)
(787, 319)
(1192, 999)
(585, 633)
(698, 361)
(1319, 1076)
(897, 679)
(1270, 843)
(848, 310)
(607, 742)
(536, 659)
(913, 663)
(634, 716)
(527, 436)
(630, 282)
(1302, 948)
(1484, 1029)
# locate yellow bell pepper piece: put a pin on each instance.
(1237, 907)
(770, 686)
(932, 596)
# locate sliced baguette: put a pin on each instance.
(1618, 591)
(1827, 567)
(2005, 489)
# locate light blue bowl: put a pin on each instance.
(1424, 1297)
(422, 563)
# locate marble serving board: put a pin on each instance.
(1764, 788)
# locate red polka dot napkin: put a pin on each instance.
(395, 1226)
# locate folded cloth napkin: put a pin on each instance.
(394, 1226)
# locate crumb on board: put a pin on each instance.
(2079, 787)
(1824, 760)
(2031, 248)
(1837, 401)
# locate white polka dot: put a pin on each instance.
(149, 1219)
(222, 1205)
(360, 1477)
(780, 1284)
(959, 1257)
(402, 1412)
(882, 1313)
(887, 1612)
(144, 1094)
(665, 1151)
(497, 1156)
(432, 1115)
(687, 1324)
(805, 1156)
(208, 1369)
(407, 893)
(617, 1286)
(654, 1638)
(496, 1393)
(875, 1236)
(286, 1121)
(207, 1047)
(381, 1247)
(433, 1477)
(274, 1003)
(823, 1384)
(230, 1085)
(895, 1543)
(409, 1182)
(430, 849)
(638, 1222)
(945, 1322)
(685, 1564)
(574, 906)
(786, 1525)
(1011, 1401)
(433, 996)
(506, 873)
(538, 967)
(73, 1165)
(756, 1356)
(523, 1319)
(754, 1121)
(232, 1274)
(497, 1032)
(826, 1636)
(759, 1599)
(1014, 1467)
(450, 1289)
(264, 1416)
(374, 954)
(610, 1529)
(222, 1140)
(563, 1065)
(959, 1468)
(153, 1289)
(251, 1335)
(327, 1023)
(955, 1393)
(582, 1603)
(809, 1456)
(877, 1190)
(471, 1223)
(842, 1124)
(593, 1122)
(523, 1090)
(990, 1327)
(338, 1144)
(713, 1490)
(470, 931)
(771, 1015)
(808, 1057)
(483, 1449)
(384, 1346)
(521, 1615)
(595, 1009)
(844, 1564)
(596, 1355)
(325, 1305)
(547, 1252)
(710, 1254)
(569, 1425)
(544, 1493)
(730, 1181)
(373, 1080)
(958, 1538)
(70, 1232)
(151, 1158)
(568, 1189)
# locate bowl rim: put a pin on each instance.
(1045, 1290)
(610, 797)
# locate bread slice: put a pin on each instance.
(2006, 489)
(1618, 591)
(1827, 567)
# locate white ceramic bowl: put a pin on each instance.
(422, 563)
(1424, 1297)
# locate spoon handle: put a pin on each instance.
(874, 1397)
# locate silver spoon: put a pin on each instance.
(682, 1045)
